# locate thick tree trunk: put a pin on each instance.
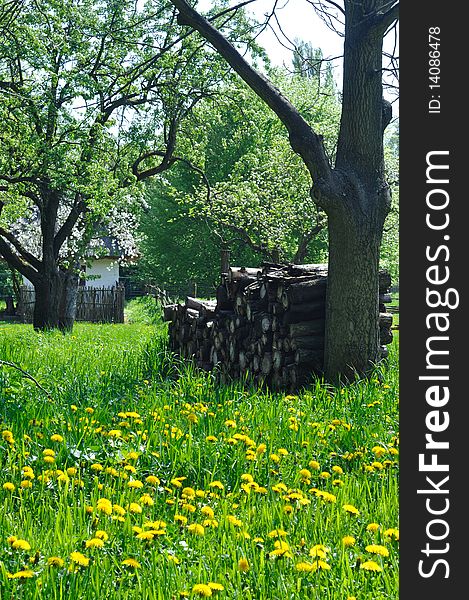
(352, 343)
(55, 304)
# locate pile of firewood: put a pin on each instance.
(266, 324)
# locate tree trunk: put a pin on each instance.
(352, 315)
(55, 302)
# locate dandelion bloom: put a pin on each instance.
(391, 533)
(211, 438)
(234, 521)
(80, 559)
(373, 527)
(9, 487)
(348, 540)
(196, 529)
(146, 536)
(217, 484)
(276, 533)
(135, 483)
(305, 567)
(21, 545)
(243, 565)
(180, 519)
(135, 508)
(56, 438)
(94, 543)
(202, 590)
(24, 574)
(377, 549)
(319, 550)
(207, 511)
(314, 465)
(131, 563)
(104, 505)
(55, 561)
(230, 423)
(102, 535)
(146, 500)
(152, 480)
(216, 587)
(352, 510)
(370, 565)
(173, 559)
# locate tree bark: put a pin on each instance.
(55, 302)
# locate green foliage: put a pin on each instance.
(259, 189)
(390, 241)
(144, 310)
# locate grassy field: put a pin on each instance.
(138, 478)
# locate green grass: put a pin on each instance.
(121, 401)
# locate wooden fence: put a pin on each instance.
(98, 305)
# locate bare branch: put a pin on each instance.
(26, 375)
(303, 138)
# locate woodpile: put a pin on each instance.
(266, 324)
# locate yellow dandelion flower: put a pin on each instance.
(135, 484)
(56, 438)
(321, 565)
(196, 529)
(348, 540)
(102, 535)
(305, 567)
(131, 563)
(243, 565)
(314, 465)
(216, 587)
(207, 511)
(234, 521)
(152, 480)
(180, 519)
(26, 483)
(378, 451)
(104, 505)
(79, 559)
(146, 536)
(391, 533)
(48, 452)
(217, 484)
(352, 510)
(211, 438)
(370, 565)
(373, 527)
(174, 559)
(202, 590)
(230, 423)
(135, 508)
(9, 487)
(337, 469)
(155, 524)
(319, 550)
(21, 545)
(24, 574)
(55, 561)
(277, 533)
(377, 549)
(94, 543)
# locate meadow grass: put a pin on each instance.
(142, 479)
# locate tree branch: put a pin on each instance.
(33, 261)
(26, 375)
(16, 262)
(303, 138)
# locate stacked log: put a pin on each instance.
(266, 324)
